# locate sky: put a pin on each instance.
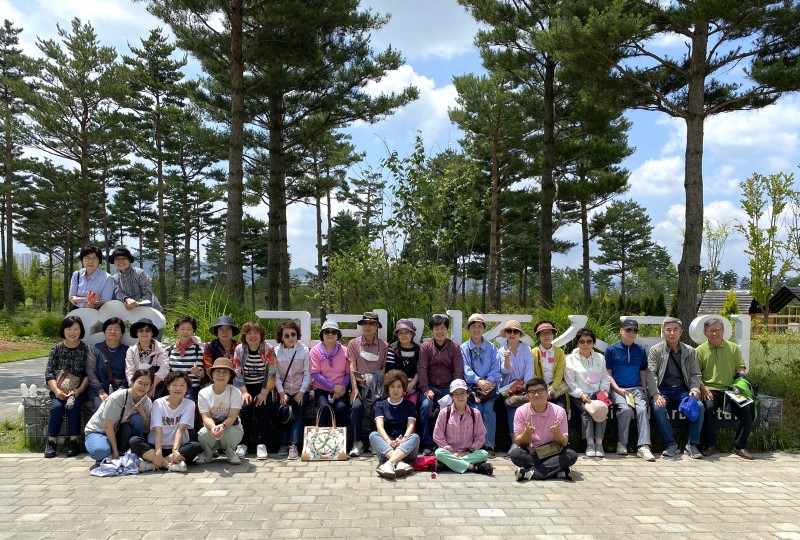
(436, 40)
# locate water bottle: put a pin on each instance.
(70, 402)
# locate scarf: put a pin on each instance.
(326, 355)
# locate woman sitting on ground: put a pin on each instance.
(148, 353)
(186, 355)
(291, 380)
(394, 440)
(460, 434)
(167, 445)
(127, 405)
(254, 362)
(219, 405)
(586, 375)
(65, 377)
(106, 369)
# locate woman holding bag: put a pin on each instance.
(516, 368)
(65, 376)
(292, 380)
(131, 405)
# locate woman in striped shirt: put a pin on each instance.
(186, 355)
(254, 362)
(292, 379)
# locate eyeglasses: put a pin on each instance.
(539, 392)
(713, 330)
(329, 332)
(585, 342)
(290, 335)
(91, 259)
(634, 330)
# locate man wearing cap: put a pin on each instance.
(131, 285)
(720, 364)
(626, 362)
(440, 363)
(541, 436)
(367, 356)
(482, 372)
(672, 375)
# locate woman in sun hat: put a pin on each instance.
(586, 375)
(548, 363)
(148, 353)
(219, 405)
(223, 345)
(516, 367)
(404, 355)
(330, 374)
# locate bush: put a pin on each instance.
(48, 325)
(205, 305)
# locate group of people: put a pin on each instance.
(190, 402)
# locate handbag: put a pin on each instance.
(424, 463)
(66, 381)
(124, 430)
(516, 400)
(548, 450)
(324, 443)
(478, 396)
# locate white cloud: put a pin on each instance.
(657, 177)
(424, 28)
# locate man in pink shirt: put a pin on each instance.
(540, 433)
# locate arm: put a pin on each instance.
(422, 368)
(574, 385)
(652, 371)
(479, 433)
(111, 435)
(469, 375)
(438, 431)
(306, 373)
(107, 291)
(93, 372)
(130, 362)
(694, 374)
(495, 375)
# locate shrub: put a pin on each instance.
(47, 325)
(205, 305)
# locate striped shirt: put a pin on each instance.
(136, 284)
(253, 368)
(193, 356)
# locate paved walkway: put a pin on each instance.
(14, 373)
(720, 497)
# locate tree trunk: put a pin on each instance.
(162, 245)
(187, 242)
(233, 225)
(277, 255)
(587, 286)
(494, 228)
(197, 246)
(689, 267)
(8, 218)
(320, 266)
(548, 189)
(50, 282)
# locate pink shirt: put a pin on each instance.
(541, 422)
(461, 433)
(334, 373)
(378, 348)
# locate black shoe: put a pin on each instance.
(484, 468)
(427, 450)
(73, 449)
(440, 467)
(492, 452)
(50, 449)
(565, 474)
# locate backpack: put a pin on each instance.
(447, 420)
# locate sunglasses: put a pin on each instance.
(585, 342)
(539, 392)
(512, 331)
(294, 334)
(634, 330)
(329, 332)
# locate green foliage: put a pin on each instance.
(47, 325)
(19, 289)
(365, 277)
(205, 305)
(731, 305)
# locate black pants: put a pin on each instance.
(544, 468)
(263, 415)
(743, 416)
(189, 451)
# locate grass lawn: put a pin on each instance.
(13, 356)
(12, 437)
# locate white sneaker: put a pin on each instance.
(179, 467)
(622, 449)
(590, 450)
(386, 471)
(241, 450)
(261, 452)
(403, 469)
(234, 459)
(645, 454)
(200, 460)
(356, 451)
(293, 453)
(146, 466)
(598, 450)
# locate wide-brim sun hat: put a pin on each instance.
(221, 363)
(541, 327)
(140, 324)
(513, 325)
(221, 321)
(369, 316)
(597, 410)
(121, 251)
(328, 325)
(475, 318)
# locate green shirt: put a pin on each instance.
(718, 365)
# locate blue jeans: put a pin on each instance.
(486, 407)
(97, 444)
(673, 397)
(427, 432)
(410, 447)
(339, 408)
(293, 433)
(57, 409)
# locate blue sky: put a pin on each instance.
(436, 39)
